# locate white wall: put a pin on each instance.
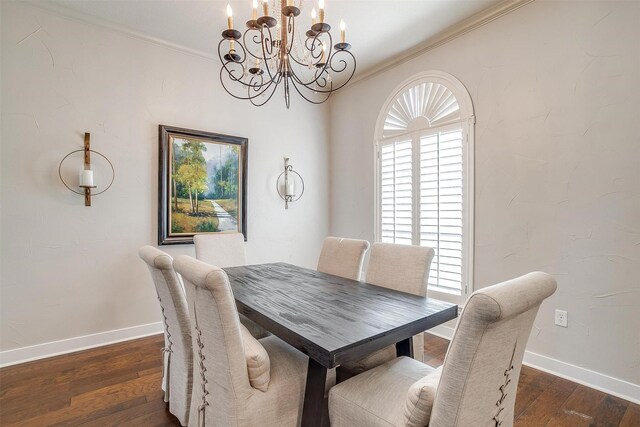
(556, 96)
(68, 270)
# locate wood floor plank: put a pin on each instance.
(580, 409)
(15, 413)
(631, 416)
(121, 417)
(532, 384)
(547, 404)
(94, 382)
(610, 411)
(152, 419)
(66, 361)
(525, 396)
(96, 400)
(87, 417)
(435, 346)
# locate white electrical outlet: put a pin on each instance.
(562, 318)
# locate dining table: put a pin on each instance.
(331, 319)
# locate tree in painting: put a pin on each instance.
(192, 172)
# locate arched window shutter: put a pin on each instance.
(425, 176)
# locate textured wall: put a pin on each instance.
(68, 270)
(557, 101)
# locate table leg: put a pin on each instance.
(405, 347)
(313, 408)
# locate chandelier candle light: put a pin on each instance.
(271, 52)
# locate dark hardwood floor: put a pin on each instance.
(120, 385)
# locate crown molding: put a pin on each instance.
(463, 27)
(85, 18)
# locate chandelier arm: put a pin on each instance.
(231, 74)
(324, 66)
(310, 50)
(318, 74)
(265, 83)
(239, 63)
(333, 89)
(295, 77)
(291, 27)
(260, 89)
(263, 87)
(257, 104)
(320, 50)
(256, 41)
(308, 99)
(268, 41)
(321, 80)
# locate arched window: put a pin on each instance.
(424, 177)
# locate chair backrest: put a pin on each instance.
(404, 268)
(221, 249)
(343, 257)
(220, 373)
(482, 366)
(177, 329)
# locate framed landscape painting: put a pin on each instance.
(202, 184)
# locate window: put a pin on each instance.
(424, 174)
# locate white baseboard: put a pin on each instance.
(610, 385)
(70, 345)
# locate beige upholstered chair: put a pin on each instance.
(177, 354)
(238, 380)
(403, 268)
(226, 250)
(343, 257)
(477, 384)
(221, 249)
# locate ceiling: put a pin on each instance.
(377, 29)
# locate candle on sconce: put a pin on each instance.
(324, 52)
(290, 189)
(86, 177)
(289, 2)
(254, 15)
(313, 16)
(342, 31)
(321, 13)
(229, 17)
(265, 7)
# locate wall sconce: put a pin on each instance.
(287, 182)
(86, 178)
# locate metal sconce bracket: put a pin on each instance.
(288, 195)
(86, 189)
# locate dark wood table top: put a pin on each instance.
(330, 318)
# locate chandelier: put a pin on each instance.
(271, 52)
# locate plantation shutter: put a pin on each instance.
(441, 206)
(396, 196)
